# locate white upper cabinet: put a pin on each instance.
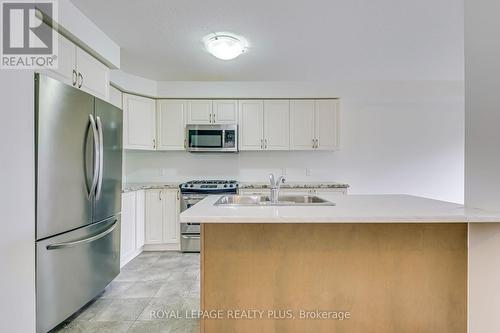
(314, 124)
(212, 112)
(171, 122)
(66, 69)
(327, 124)
(277, 124)
(93, 76)
(139, 122)
(264, 125)
(225, 112)
(302, 124)
(81, 70)
(251, 125)
(199, 111)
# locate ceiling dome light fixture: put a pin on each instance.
(225, 45)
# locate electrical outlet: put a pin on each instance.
(308, 172)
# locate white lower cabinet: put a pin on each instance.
(132, 226)
(162, 209)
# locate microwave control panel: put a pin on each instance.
(229, 138)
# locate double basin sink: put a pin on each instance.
(262, 200)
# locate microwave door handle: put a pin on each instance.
(101, 157)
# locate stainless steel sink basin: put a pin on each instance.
(261, 200)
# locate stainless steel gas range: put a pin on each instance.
(193, 192)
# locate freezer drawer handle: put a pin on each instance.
(82, 241)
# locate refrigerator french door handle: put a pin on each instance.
(101, 158)
(83, 241)
(96, 156)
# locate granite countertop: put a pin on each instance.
(264, 185)
(244, 185)
(348, 209)
(148, 186)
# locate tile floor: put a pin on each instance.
(164, 283)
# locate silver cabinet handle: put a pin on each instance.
(74, 77)
(80, 80)
(154, 144)
(261, 143)
(101, 157)
(265, 143)
(159, 195)
(83, 241)
(185, 143)
(317, 143)
(314, 143)
(97, 156)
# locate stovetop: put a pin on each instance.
(208, 186)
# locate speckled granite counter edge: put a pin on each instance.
(243, 185)
(293, 185)
(159, 186)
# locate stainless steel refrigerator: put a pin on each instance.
(78, 198)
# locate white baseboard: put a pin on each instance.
(132, 255)
(162, 247)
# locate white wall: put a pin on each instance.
(17, 200)
(397, 137)
(482, 159)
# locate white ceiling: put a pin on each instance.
(291, 40)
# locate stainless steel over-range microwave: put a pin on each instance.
(212, 138)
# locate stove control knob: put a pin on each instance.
(231, 185)
(191, 185)
(225, 185)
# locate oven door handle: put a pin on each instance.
(190, 237)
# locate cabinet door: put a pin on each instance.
(301, 124)
(93, 75)
(139, 119)
(171, 206)
(251, 121)
(327, 124)
(199, 111)
(225, 111)
(66, 67)
(171, 122)
(154, 217)
(277, 125)
(128, 224)
(140, 224)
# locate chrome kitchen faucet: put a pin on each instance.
(275, 187)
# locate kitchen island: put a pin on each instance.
(384, 263)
